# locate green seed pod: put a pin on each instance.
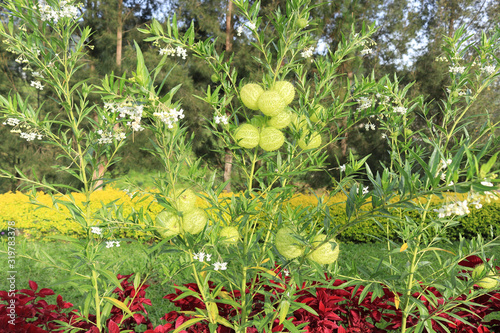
(271, 139)
(299, 122)
(214, 78)
(318, 114)
(229, 235)
(184, 199)
(167, 224)
(310, 142)
(247, 136)
(324, 254)
(286, 90)
(302, 23)
(281, 120)
(271, 103)
(194, 221)
(287, 245)
(250, 94)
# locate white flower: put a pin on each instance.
(109, 244)
(37, 74)
(485, 183)
(239, 31)
(96, 230)
(488, 70)
(199, 256)
(446, 163)
(117, 243)
(457, 69)
(181, 52)
(366, 51)
(366, 190)
(364, 103)
(342, 168)
(251, 25)
(37, 84)
(384, 136)
(372, 126)
(308, 52)
(170, 116)
(220, 266)
(399, 109)
(168, 51)
(221, 119)
(12, 122)
(286, 272)
(208, 257)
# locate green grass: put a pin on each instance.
(130, 257)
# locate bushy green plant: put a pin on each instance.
(442, 156)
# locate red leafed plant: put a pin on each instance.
(34, 315)
(339, 308)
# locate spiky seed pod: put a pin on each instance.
(271, 139)
(286, 90)
(287, 245)
(324, 254)
(250, 94)
(184, 199)
(312, 141)
(281, 120)
(194, 221)
(229, 235)
(271, 103)
(302, 23)
(247, 136)
(167, 224)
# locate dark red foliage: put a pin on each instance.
(340, 310)
(338, 306)
(34, 315)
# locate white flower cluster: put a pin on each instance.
(108, 137)
(488, 70)
(31, 136)
(112, 243)
(66, 10)
(169, 51)
(368, 126)
(364, 103)
(459, 208)
(170, 116)
(37, 84)
(220, 266)
(366, 51)
(12, 122)
(37, 74)
(308, 52)
(399, 109)
(366, 190)
(457, 69)
(342, 168)
(202, 256)
(96, 230)
(133, 112)
(241, 28)
(221, 119)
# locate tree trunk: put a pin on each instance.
(228, 157)
(119, 34)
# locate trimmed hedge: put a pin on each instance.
(38, 223)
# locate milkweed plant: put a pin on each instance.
(276, 128)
